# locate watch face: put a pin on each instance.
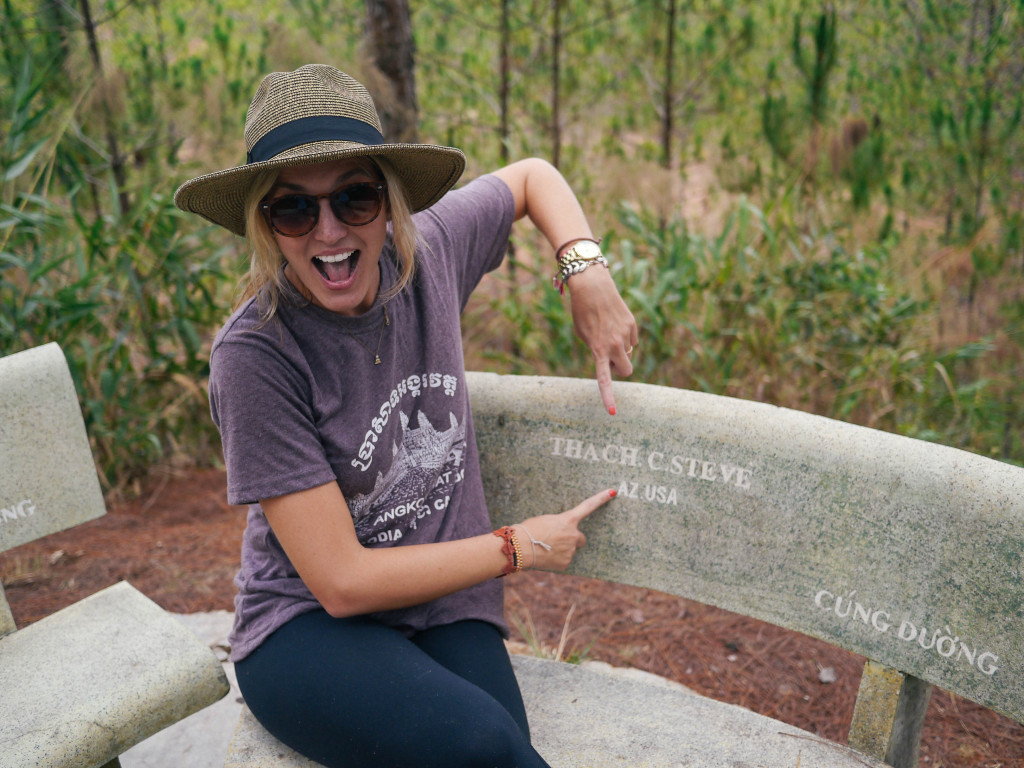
(584, 250)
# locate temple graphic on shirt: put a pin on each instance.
(426, 465)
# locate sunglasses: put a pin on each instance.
(296, 215)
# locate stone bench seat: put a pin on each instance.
(905, 552)
(588, 716)
(84, 684)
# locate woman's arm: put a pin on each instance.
(600, 316)
(315, 529)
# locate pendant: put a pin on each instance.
(376, 359)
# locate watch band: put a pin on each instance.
(583, 253)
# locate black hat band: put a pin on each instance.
(307, 130)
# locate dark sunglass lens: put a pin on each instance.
(358, 204)
(294, 214)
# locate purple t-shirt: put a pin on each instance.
(299, 403)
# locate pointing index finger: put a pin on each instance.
(604, 383)
(588, 506)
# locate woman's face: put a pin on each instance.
(335, 265)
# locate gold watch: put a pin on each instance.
(581, 250)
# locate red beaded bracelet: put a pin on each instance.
(511, 550)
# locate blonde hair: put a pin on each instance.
(264, 280)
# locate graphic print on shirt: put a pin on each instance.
(427, 465)
(412, 386)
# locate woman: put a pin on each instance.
(369, 623)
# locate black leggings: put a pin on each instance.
(353, 692)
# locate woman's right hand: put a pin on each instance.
(561, 533)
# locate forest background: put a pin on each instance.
(815, 205)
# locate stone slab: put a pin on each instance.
(7, 624)
(594, 716)
(86, 683)
(903, 551)
(48, 479)
(582, 717)
(200, 740)
(252, 746)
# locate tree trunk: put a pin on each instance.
(668, 104)
(392, 52)
(556, 77)
(116, 159)
(505, 79)
(505, 139)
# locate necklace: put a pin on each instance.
(380, 337)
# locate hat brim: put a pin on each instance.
(426, 172)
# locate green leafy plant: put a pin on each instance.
(903, 315)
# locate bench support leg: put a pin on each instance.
(889, 714)
(6, 617)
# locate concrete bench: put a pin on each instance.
(906, 552)
(82, 685)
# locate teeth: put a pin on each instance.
(336, 258)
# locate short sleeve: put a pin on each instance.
(469, 231)
(260, 402)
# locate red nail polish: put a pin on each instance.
(611, 410)
(613, 493)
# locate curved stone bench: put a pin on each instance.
(888, 547)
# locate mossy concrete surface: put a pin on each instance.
(900, 550)
(86, 683)
(48, 478)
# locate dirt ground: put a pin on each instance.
(179, 543)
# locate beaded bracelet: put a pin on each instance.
(533, 544)
(511, 550)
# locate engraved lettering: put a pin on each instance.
(988, 669)
(706, 469)
(907, 631)
(967, 652)
(630, 457)
(21, 510)
(881, 626)
(944, 642)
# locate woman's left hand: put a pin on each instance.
(599, 314)
(605, 324)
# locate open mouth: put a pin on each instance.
(337, 268)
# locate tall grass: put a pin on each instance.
(130, 295)
(767, 312)
(820, 296)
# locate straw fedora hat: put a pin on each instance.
(312, 115)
